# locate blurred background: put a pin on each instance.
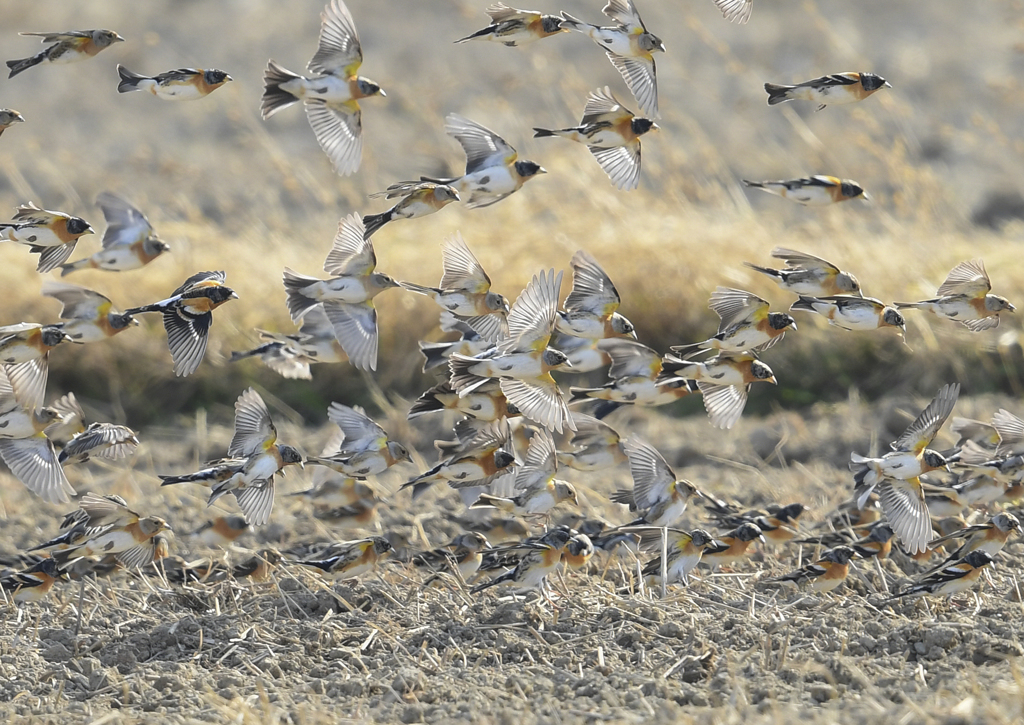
(941, 154)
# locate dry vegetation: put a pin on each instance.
(229, 191)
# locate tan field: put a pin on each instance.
(941, 155)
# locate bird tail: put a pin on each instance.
(298, 303)
(777, 94)
(753, 184)
(17, 66)
(478, 34)
(66, 269)
(426, 403)
(571, 23)
(909, 305)
(487, 501)
(462, 380)
(579, 394)
(803, 303)
(765, 270)
(274, 97)
(243, 354)
(373, 222)
(171, 480)
(129, 81)
(507, 576)
(543, 132)
(436, 354)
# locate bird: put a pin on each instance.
(513, 28)
(347, 297)
(735, 11)
(806, 274)
(824, 575)
(965, 298)
(612, 133)
(222, 531)
(853, 313)
(950, 579)
(540, 559)
(478, 458)
(100, 440)
(636, 377)
(813, 190)
(351, 559)
(68, 46)
(493, 168)
(254, 459)
(896, 473)
(630, 48)
(181, 84)
(465, 290)
(418, 198)
(989, 537)
(834, 89)
(89, 316)
(746, 324)
(591, 309)
(9, 117)
(291, 355)
(534, 490)
(657, 495)
(188, 315)
(470, 342)
(50, 234)
(733, 545)
(596, 446)
(522, 359)
(777, 522)
(258, 568)
(364, 448)
(24, 446)
(33, 583)
(486, 403)
(129, 241)
(463, 554)
(577, 552)
(723, 380)
(108, 526)
(684, 553)
(331, 97)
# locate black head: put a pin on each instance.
(154, 245)
(556, 358)
(526, 169)
(700, 537)
(748, 532)
(891, 316)
(978, 558)
(236, 523)
(289, 454)
(791, 512)
(934, 459)
(52, 335)
(882, 533)
(215, 77)
(220, 294)
(381, 545)
(551, 24)
(850, 190)
(503, 459)
(46, 566)
(77, 225)
(119, 322)
(840, 554)
(780, 321)
(369, 88)
(871, 82)
(641, 126)
(761, 371)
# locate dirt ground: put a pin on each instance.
(386, 649)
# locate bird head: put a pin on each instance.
(528, 169)
(215, 77)
(872, 82)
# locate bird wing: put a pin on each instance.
(254, 429)
(350, 255)
(483, 147)
(338, 51)
(920, 433)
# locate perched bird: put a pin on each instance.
(724, 381)
(612, 133)
(596, 446)
(834, 89)
(108, 526)
(331, 97)
(825, 574)
(658, 495)
(853, 313)
(9, 117)
(129, 241)
(255, 458)
(512, 27)
(89, 316)
(347, 297)
(577, 552)
(364, 448)
(68, 47)
(465, 290)
(540, 559)
(493, 168)
(950, 579)
(462, 555)
(989, 537)
(32, 584)
(50, 234)
(591, 309)
(419, 198)
(486, 403)
(351, 559)
(813, 190)
(636, 377)
(534, 490)
(777, 522)
(181, 84)
(100, 440)
(188, 315)
(806, 274)
(684, 553)
(736, 11)
(896, 473)
(24, 446)
(630, 48)
(876, 541)
(222, 531)
(746, 324)
(733, 545)
(258, 568)
(964, 297)
(477, 459)
(522, 359)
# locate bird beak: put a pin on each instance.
(1010, 307)
(866, 197)
(887, 84)
(234, 295)
(772, 380)
(794, 326)
(541, 170)
(762, 539)
(18, 118)
(382, 93)
(655, 127)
